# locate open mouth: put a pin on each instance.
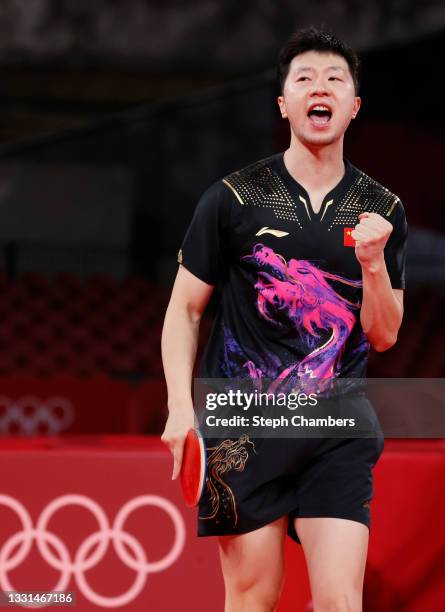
(319, 114)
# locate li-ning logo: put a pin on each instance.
(92, 550)
(274, 232)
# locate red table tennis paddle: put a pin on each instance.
(193, 468)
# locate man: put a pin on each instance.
(310, 253)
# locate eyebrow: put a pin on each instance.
(303, 68)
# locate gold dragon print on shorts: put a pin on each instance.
(228, 455)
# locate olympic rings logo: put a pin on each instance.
(84, 561)
(29, 412)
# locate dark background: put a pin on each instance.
(115, 116)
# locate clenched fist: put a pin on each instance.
(371, 235)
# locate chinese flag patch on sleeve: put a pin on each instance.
(348, 240)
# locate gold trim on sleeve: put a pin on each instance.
(234, 191)
(396, 201)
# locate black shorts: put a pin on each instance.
(251, 482)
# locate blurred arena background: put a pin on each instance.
(115, 116)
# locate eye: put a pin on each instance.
(332, 78)
(302, 78)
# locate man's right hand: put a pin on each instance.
(178, 424)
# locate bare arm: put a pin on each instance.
(382, 306)
(179, 343)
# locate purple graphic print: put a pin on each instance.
(296, 296)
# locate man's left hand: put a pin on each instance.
(371, 235)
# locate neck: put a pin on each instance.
(315, 164)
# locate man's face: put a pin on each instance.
(319, 98)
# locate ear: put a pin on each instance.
(357, 105)
(282, 105)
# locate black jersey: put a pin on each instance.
(291, 282)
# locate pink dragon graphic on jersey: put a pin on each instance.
(295, 295)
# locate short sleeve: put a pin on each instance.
(204, 249)
(396, 247)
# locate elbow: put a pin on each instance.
(194, 314)
(182, 311)
(384, 344)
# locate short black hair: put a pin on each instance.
(314, 39)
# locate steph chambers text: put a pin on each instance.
(274, 422)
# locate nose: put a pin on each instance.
(320, 87)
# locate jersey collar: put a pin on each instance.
(330, 200)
